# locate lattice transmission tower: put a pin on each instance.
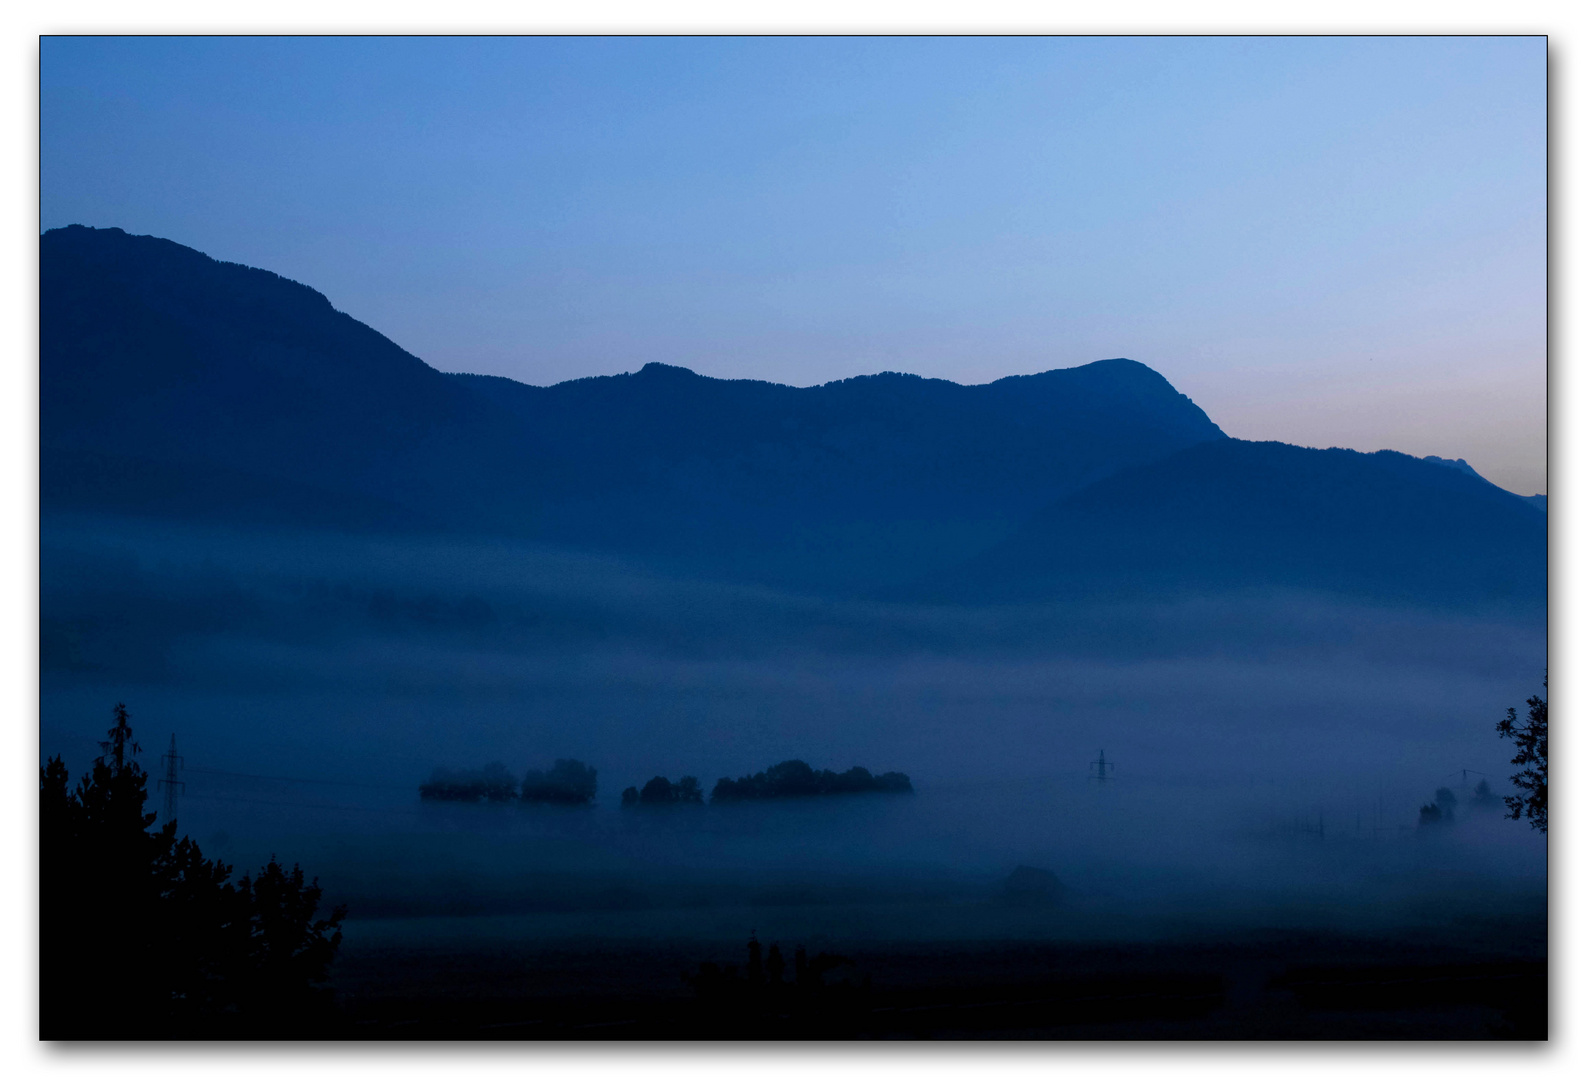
(1101, 768)
(172, 761)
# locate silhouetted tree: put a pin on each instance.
(1483, 798)
(1530, 740)
(98, 892)
(120, 746)
(660, 791)
(1446, 801)
(290, 951)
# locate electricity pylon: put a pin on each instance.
(1100, 766)
(170, 784)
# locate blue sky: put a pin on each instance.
(1326, 241)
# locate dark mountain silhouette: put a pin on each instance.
(1234, 514)
(1537, 501)
(178, 386)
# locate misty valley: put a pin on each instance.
(663, 706)
(1273, 756)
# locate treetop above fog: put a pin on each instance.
(796, 779)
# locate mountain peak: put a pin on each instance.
(131, 260)
(1460, 464)
(656, 370)
(1456, 463)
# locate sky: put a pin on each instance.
(1326, 241)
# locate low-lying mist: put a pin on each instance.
(1271, 752)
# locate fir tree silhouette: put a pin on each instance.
(140, 936)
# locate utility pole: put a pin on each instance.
(170, 784)
(1101, 765)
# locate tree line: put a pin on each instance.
(141, 936)
(571, 782)
(795, 779)
(786, 780)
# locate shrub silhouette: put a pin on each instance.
(662, 792)
(1030, 886)
(141, 936)
(568, 781)
(795, 779)
(1483, 798)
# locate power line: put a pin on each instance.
(406, 811)
(299, 779)
(258, 776)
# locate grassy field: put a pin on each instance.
(1470, 979)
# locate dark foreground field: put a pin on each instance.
(1473, 981)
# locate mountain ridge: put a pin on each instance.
(175, 385)
(1239, 514)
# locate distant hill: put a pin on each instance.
(1234, 514)
(178, 386)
